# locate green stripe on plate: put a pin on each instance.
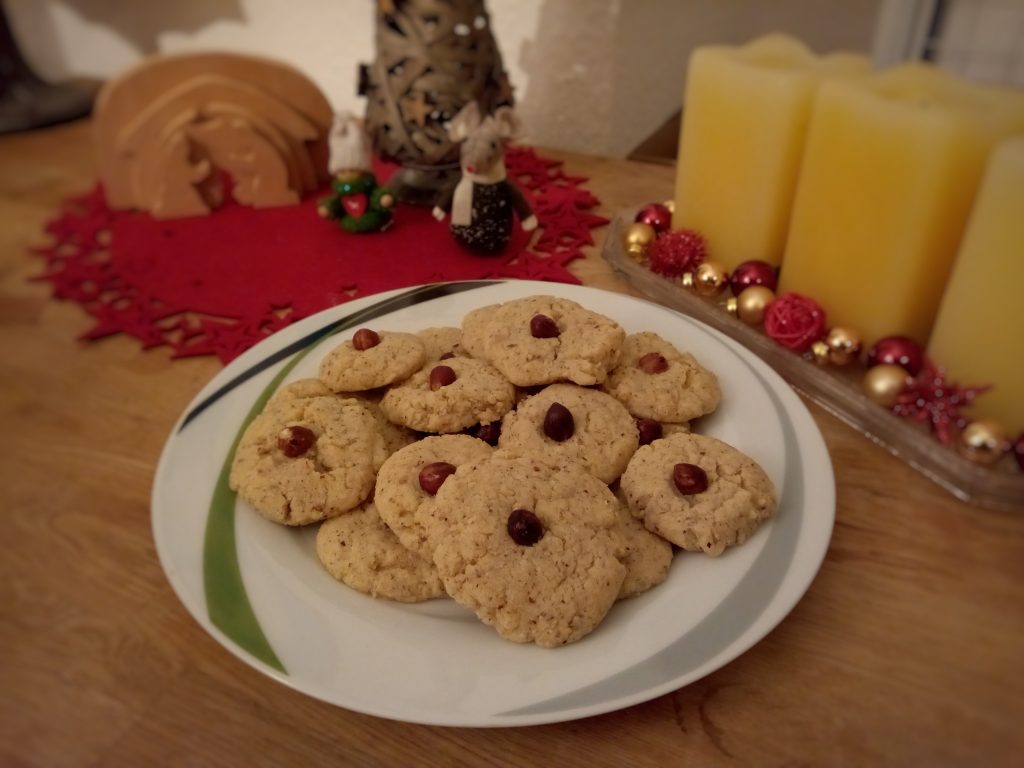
(227, 603)
(226, 600)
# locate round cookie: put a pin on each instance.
(603, 440)
(552, 592)
(395, 436)
(683, 391)
(651, 429)
(474, 328)
(396, 357)
(333, 475)
(440, 341)
(738, 498)
(302, 388)
(647, 557)
(398, 493)
(669, 429)
(479, 394)
(585, 349)
(359, 550)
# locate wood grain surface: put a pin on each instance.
(906, 650)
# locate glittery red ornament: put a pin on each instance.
(753, 273)
(657, 215)
(932, 399)
(676, 252)
(1018, 450)
(794, 321)
(897, 350)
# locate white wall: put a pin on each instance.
(984, 40)
(595, 76)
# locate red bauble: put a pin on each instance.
(675, 253)
(794, 321)
(657, 215)
(1018, 450)
(897, 350)
(753, 273)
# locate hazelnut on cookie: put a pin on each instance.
(654, 380)
(565, 422)
(698, 492)
(530, 547)
(370, 360)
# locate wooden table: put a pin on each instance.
(906, 650)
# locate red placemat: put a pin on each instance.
(218, 284)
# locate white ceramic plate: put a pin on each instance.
(258, 589)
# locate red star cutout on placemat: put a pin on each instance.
(220, 283)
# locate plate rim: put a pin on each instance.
(779, 605)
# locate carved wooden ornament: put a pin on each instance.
(168, 130)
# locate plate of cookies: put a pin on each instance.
(492, 503)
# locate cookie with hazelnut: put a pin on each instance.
(414, 475)
(530, 547)
(566, 422)
(370, 359)
(449, 396)
(699, 493)
(654, 380)
(544, 339)
(308, 458)
(360, 551)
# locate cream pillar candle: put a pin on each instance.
(745, 116)
(890, 170)
(979, 331)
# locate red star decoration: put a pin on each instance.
(931, 398)
(529, 169)
(132, 274)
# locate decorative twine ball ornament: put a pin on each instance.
(676, 252)
(753, 273)
(795, 321)
(657, 215)
(844, 346)
(983, 441)
(752, 303)
(884, 383)
(897, 350)
(638, 238)
(710, 279)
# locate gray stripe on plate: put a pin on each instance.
(729, 620)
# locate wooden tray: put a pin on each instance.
(836, 389)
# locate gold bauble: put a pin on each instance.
(752, 302)
(884, 383)
(731, 306)
(821, 352)
(983, 441)
(844, 346)
(638, 238)
(710, 279)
